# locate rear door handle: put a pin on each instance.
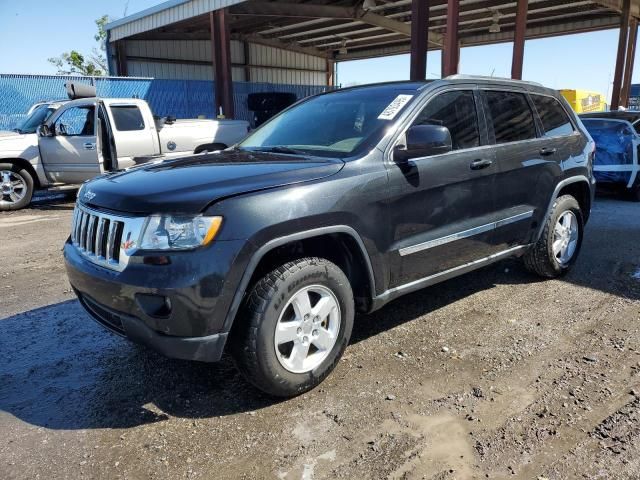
(89, 146)
(480, 164)
(548, 151)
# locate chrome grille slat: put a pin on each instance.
(74, 223)
(98, 236)
(98, 241)
(91, 234)
(83, 231)
(110, 239)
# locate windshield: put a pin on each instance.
(35, 119)
(336, 124)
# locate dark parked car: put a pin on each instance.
(341, 203)
(617, 137)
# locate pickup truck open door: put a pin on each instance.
(71, 151)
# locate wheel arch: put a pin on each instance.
(582, 193)
(27, 166)
(339, 244)
(580, 188)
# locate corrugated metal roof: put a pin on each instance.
(163, 14)
(347, 29)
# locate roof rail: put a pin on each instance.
(459, 76)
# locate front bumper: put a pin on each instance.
(203, 349)
(178, 309)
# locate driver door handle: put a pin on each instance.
(480, 164)
(546, 151)
(89, 146)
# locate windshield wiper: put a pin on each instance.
(17, 130)
(280, 149)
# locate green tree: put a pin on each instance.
(94, 64)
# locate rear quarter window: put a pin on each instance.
(127, 118)
(510, 115)
(555, 120)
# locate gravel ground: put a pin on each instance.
(491, 375)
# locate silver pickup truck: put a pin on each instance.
(85, 137)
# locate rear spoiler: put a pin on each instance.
(79, 90)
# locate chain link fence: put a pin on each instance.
(180, 98)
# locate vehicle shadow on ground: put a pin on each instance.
(60, 202)
(60, 370)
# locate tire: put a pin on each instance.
(253, 345)
(541, 259)
(12, 176)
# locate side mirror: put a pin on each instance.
(424, 141)
(44, 130)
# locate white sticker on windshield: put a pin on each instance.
(394, 107)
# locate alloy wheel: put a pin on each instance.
(565, 237)
(307, 329)
(13, 187)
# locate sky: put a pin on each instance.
(584, 61)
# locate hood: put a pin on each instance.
(8, 134)
(190, 184)
(13, 144)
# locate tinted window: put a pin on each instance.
(554, 119)
(76, 121)
(457, 111)
(511, 116)
(127, 118)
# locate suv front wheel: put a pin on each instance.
(558, 247)
(294, 327)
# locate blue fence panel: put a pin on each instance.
(181, 98)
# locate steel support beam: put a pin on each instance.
(618, 6)
(628, 67)
(620, 58)
(276, 43)
(419, 38)
(121, 58)
(330, 72)
(221, 50)
(451, 51)
(518, 40)
(310, 11)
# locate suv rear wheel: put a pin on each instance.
(558, 247)
(294, 327)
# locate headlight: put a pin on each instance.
(178, 232)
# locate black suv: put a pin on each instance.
(341, 203)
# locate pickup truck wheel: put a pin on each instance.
(16, 187)
(558, 247)
(294, 327)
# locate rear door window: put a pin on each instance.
(510, 115)
(555, 120)
(127, 118)
(455, 110)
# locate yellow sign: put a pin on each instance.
(583, 101)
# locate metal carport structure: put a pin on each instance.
(309, 36)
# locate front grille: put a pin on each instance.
(98, 236)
